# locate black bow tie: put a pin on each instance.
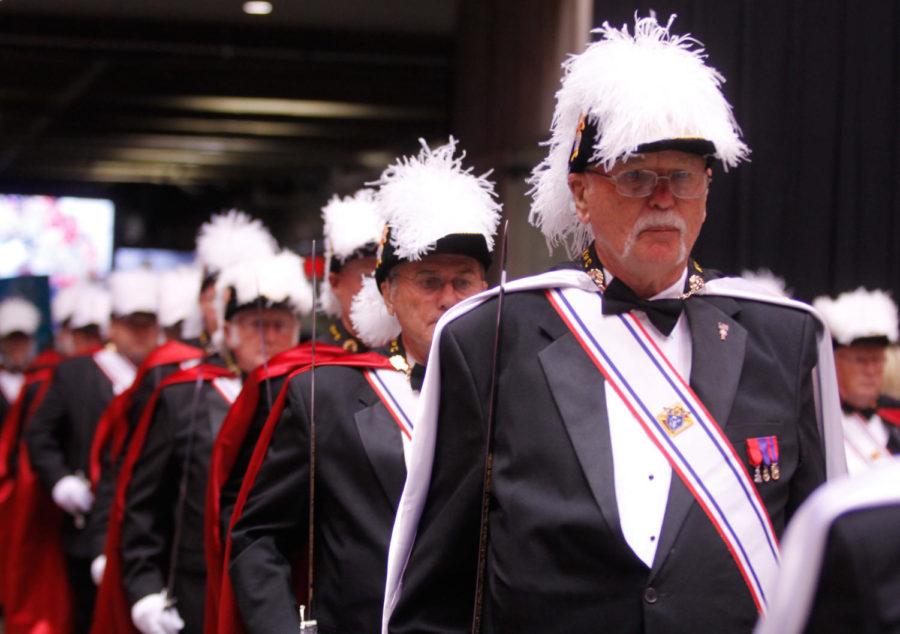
(865, 412)
(416, 376)
(663, 313)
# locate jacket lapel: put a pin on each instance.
(383, 444)
(582, 406)
(717, 360)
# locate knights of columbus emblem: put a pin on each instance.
(675, 419)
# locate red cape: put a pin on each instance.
(112, 428)
(33, 567)
(112, 612)
(227, 447)
(222, 616)
(890, 415)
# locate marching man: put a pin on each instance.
(862, 324)
(631, 399)
(437, 244)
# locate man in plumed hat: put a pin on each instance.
(19, 321)
(162, 487)
(352, 228)
(650, 429)
(60, 434)
(440, 223)
(863, 324)
(188, 311)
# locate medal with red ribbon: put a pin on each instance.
(763, 455)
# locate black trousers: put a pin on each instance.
(190, 591)
(83, 592)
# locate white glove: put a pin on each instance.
(151, 616)
(98, 567)
(73, 495)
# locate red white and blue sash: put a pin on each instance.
(117, 368)
(395, 392)
(680, 426)
(421, 457)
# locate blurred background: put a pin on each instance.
(160, 112)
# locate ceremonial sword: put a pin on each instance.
(483, 537)
(311, 627)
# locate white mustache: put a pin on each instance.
(656, 220)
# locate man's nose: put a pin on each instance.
(662, 196)
(447, 297)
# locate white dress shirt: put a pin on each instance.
(865, 441)
(641, 472)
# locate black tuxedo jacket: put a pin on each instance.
(59, 435)
(106, 488)
(152, 496)
(359, 478)
(859, 584)
(558, 561)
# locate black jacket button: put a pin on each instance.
(650, 595)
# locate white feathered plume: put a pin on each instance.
(350, 223)
(17, 314)
(426, 197)
(639, 89)
(767, 282)
(371, 321)
(232, 237)
(277, 279)
(179, 291)
(63, 303)
(859, 314)
(93, 305)
(134, 291)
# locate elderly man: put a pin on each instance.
(437, 245)
(862, 324)
(631, 399)
(163, 480)
(60, 434)
(19, 321)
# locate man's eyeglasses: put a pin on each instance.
(641, 183)
(431, 284)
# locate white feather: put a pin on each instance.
(179, 291)
(371, 321)
(648, 87)
(63, 303)
(859, 314)
(767, 282)
(426, 197)
(350, 223)
(134, 291)
(17, 314)
(276, 279)
(93, 306)
(328, 301)
(231, 237)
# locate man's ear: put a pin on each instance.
(577, 187)
(388, 298)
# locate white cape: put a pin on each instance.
(421, 457)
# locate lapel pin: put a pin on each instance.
(723, 331)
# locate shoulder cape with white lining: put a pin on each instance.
(805, 539)
(422, 448)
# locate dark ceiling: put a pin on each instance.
(200, 105)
